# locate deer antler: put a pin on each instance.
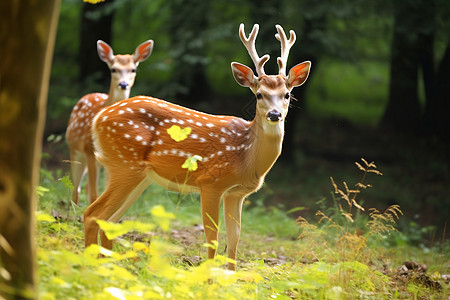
(286, 45)
(249, 44)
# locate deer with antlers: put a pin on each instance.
(133, 143)
(78, 133)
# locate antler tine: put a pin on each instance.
(249, 44)
(286, 45)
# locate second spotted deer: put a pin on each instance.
(133, 142)
(78, 133)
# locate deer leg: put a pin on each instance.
(210, 203)
(122, 191)
(232, 213)
(78, 170)
(105, 174)
(92, 185)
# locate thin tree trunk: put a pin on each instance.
(96, 24)
(188, 43)
(403, 109)
(429, 80)
(443, 102)
(443, 96)
(27, 49)
(427, 25)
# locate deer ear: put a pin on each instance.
(105, 52)
(244, 75)
(298, 74)
(143, 51)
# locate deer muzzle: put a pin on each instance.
(274, 116)
(123, 85)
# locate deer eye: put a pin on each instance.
(258, 96)
(113, 70)
(133, 70)
(287, 96)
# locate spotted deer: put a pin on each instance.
(78, 133)
(234, 155)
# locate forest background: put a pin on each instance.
(379, 88)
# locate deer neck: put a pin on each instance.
(116, 94)
(266, 148)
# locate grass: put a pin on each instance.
(345, 253)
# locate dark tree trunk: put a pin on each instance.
(187, 31)
(443, 97)
(426, 42)
(403, 109)
(429, 80)
(96, 24)
(443, 102)
(24, 77)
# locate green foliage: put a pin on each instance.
(339, 231)
(352, 91)
(271, 221)
(136, 271)
(146, 270)
(55, 191)
(322, 280)
(331, 260)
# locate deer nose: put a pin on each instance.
(274, 116)
(123, 85)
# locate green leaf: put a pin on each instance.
(299, 208)
(51, 137)
(178, 134)
(191, 163)
(159, 211)
(67, 182)
(114, 230)
(41, 217)
(162, 217)
(214, 245)
(40, 191)
(93, 1)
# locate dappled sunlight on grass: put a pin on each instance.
(160, 250)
